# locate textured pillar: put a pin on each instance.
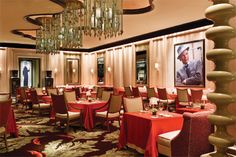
(221, 55)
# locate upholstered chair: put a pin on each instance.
(106, 95)
(163, 97)
(52, 91)
(111, 111)
(62, 114)
(183, 98)
(39, 106)
(196, 95)
(135, 92)
(191, 140)
(99, 92)
(128, 92)
(133, 104)
(70, 96)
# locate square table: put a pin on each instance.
(87, 108)
(140, 130)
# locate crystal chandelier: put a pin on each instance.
(70, 30)
(103, 18)
(45, 37)
(60, 30)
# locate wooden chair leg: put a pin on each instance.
(5, 139)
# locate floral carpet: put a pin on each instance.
(37, 137)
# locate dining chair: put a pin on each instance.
(39, 91)
(196, 95)
(128, 92)
(111, 111)
(62, 114)
(70, 96)
(39, 106)
(4, 108)
(133, 104)
(183, 97)
(52, 91)
(99, 92)
(77, 92)
(106, 95)
(24, 99)
(163, 98)
(135, 92)
(191, 140)
(151, 92)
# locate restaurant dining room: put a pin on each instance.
(121, 78)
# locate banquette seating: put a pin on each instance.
(191, 140)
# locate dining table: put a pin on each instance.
(11, 126)
(88, 108)
(140, 130)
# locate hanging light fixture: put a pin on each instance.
(103, 18)
(45, 37)
(70, 34)
(60, 30)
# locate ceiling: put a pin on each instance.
(165, 14)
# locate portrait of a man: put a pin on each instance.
(25, 75)
(189, 64)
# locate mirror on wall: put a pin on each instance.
(72, 71)
(100, 67)
(141, 67)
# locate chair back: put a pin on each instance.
(39, 91)
(151, 92)
(128, 91)
(77, 92)
(196, 129)
(52, 91)
(135, 91)
(106, 95)
(99, 92)
(70, 96)
(59, 104)
(133, 104)
(115, 104)
(5, 109)
(196, 95)
(34, 97)
(23, 93)
(182, 95)
(162, 93)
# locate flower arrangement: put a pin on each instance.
(154, 111)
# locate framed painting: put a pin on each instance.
(189, 64)
(25, 73)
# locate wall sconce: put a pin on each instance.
(74, 70)
(109, 69)
(55, 70)
(157, 66)
(0, 71)
(92, 70)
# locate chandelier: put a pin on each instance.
(103, 18)
(45, 37)
(64, 30)
(70, 25)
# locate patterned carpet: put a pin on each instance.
(37, 137)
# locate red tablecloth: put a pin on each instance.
(207, 107)
(142, 129)
(11, 121)
(87, 108)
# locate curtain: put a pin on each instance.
(129, 65)
(118, 68)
